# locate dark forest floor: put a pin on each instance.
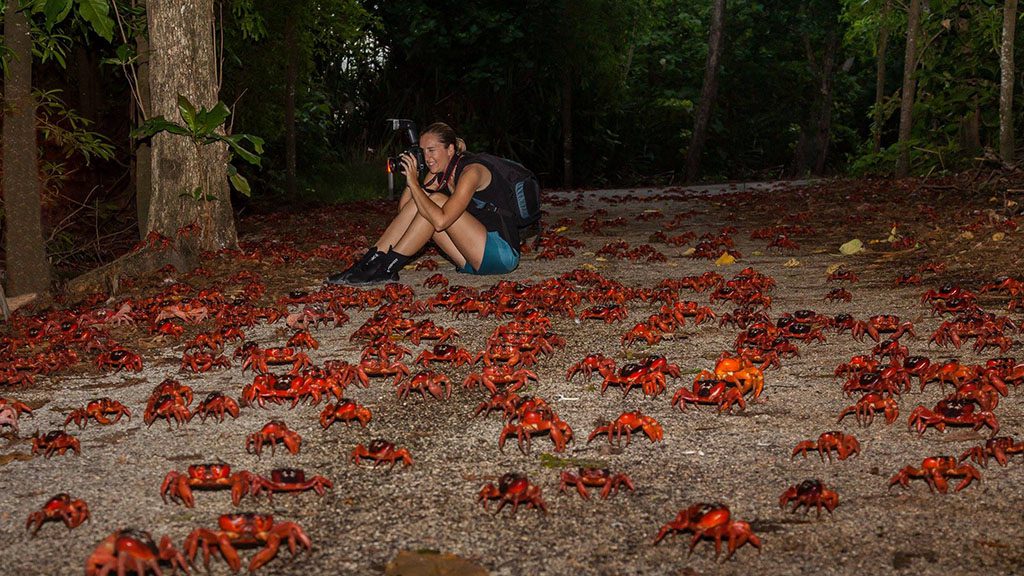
(430, 510)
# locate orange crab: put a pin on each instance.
(711, 520)
(934, 471)
(844, 445)
(55, 441)
(135, 550)
(604, 478)
(536, 420)
(346, 411)
(627, 423)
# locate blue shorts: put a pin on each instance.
(499, 257)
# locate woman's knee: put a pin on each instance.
(439, 198)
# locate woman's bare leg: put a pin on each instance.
(463, 241)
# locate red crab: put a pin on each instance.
(445, 353)
(683, 309)
(810, 493)
(303, 339)
(245, 530)
(169, 406)
(439, 385)
(18, 407)
(289, 480)
(370, 368)
(179, 486)
(954, 413)
(346, 411)
(934, 470)
(504, 401)
(512, 488)
(844, 445)
(649, 334)
(381, 451)
(841, 275)
(99, 410)
(216, 405)
(627, 423)
(609, 313)
(865, 408)
(270, 388)
(61, 507)
(427, 330)
(645, 375)
(500, 378)
(590, 364)
(536, 420)
(120, 359)
(259, 359)
(204, 362)
(711, 520)
(709, 391)
(55, 441)
(273, 432)
(436, 281)
(839, 294)
(594, 477)
(1000, 448)
(133, 550)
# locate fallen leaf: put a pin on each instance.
(792, 263)
(689, 251)
(832, 268)
(588, 266)
(601, 259)
(561, 229)
(852, 247)
(967, 235)
(998, 236)
(757, 253)
(725, 259)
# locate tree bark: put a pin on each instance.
(183, 61)
(909, 85)
(291, 47)
(708, 91)
(883, 47)
(1006, 82)
(28, 270)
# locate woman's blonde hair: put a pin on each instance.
(446, 136)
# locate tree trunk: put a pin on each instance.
(708, 91)
(567, 127)
(183, 61)
(883, 47)
(1006, 82)
(291, 47)
(87, 76)
(823, 118)
(143, 166)
(28, 270)
(909, 84)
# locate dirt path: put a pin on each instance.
(742, 459)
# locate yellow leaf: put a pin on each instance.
(601, 259)
(792, 263)
(757, 253)
(725, 259)
(689, 251)
(967, 235)
(832, 268)
(852, 247)
(589, 266)
(561, 229)
(998, 236)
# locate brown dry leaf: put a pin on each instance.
(430, 563)
(967, 235)
(998, 236)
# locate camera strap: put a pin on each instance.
(449, 173)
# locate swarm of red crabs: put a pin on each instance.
(509, 370)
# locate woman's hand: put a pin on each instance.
(410, 170)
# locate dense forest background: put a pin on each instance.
(585, 92)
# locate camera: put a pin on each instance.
(412, 140)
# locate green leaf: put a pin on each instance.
(240, 183)
(237, 141)
(155, 125)
(209, 120)
(188, 113)
(56, 11)
(96, 12)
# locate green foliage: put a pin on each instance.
(205, 127)
(63, 129)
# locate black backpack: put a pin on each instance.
(525, 201)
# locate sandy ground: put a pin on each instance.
(741, 459)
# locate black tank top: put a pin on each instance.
(482, 206)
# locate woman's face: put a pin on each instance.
(436, 154)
